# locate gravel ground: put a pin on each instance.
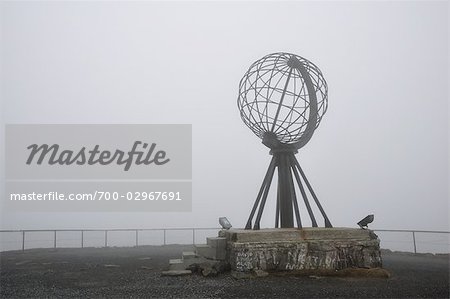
(136, 272)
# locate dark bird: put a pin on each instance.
(223, 221)
(364, 222)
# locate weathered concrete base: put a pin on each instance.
(301, 249)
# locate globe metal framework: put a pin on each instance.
(282, 99)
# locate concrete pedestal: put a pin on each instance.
(301, 249)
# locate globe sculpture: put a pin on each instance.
(282, 99)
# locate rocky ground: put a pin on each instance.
(136, 272)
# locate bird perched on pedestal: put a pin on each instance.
(365, 221)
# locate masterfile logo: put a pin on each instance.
(53, 155)
(98, 168)
(69, 151)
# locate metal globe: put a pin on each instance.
(283, 96)
(282, 99)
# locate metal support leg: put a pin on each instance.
(316, 200)
(302, 191)
(261, 190)
(293, 195)
(277, 214)
(264, 196)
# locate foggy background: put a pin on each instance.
(382, 147)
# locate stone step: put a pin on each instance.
(203, 250)
(216, 242)
(176, 264)
(188, 255)
(176, 272)
(209, 252)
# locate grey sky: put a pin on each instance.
(381, 148)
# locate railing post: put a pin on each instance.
(106, 238)
(193, 236)
(414, 241)
(54, 240)
(23, 240)
(82, 238)
(137, 238)
(164, 236)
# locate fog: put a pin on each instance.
(381, 148)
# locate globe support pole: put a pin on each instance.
(287, 167)
(286, 194)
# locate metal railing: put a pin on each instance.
(25, 232)
(413, 233)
